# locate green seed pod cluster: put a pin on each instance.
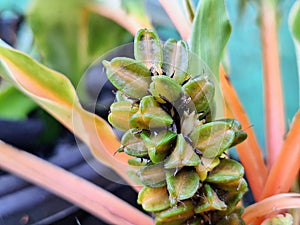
(177, 147)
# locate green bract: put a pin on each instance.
(147, 49)
(150, 115)
(129, 76)
(176, 60)
(158, 144)
(154, 199)
(188, 179)
(153, 175)
(165, 89)
(213, 138)
(120, 112)
(132, 144)
(201, 90)
(179, 148)
(182, 155)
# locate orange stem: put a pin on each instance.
(254, 214)
(274, 105)
(287, 166)
(70, 187)
(249, 151)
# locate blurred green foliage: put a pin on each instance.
(69, 38)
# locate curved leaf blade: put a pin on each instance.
(210, 32)
(294, 24)
(55, 93)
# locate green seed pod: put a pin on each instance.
(213, 138)
(129, 76)
(137, 162)
(210, 114)
(231, 199)
(234, 186)
(182, 186)
(148, 50)
(240, 136)
(232, 219)
(201, 90)
(158, 145)
(210, 202)
(227, 171)
(150, 115)
(133, 144)
(164, 88)
(121, 97)
(153, 175)
(206, 166)
(175, 60)
(235, 125)
(120, 113)
(194, 221)
(182, 155)
(189, 122)
(176, 215)
(154, 199)
(132, 173)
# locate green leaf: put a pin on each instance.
(294, 24)
(14, 104)
(69, 38)
(55, 93)
(136, 8)
(210, 32)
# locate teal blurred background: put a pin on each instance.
(246, 63)
(244, 53)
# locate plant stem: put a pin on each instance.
(274, 105)
(249, 151)
(176, 14)
(287, 165)
(70, 187)
(270, 205)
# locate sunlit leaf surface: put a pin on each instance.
(55, 93)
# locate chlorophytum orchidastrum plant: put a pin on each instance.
(175, 146)
(167, 112)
